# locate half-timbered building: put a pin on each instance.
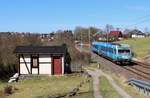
(41, 60)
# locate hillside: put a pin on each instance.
(140, 47)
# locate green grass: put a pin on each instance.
(86, 91)
(2, 84)
(121, 82)
(141, 46)
(49, 86)
(92, 66)
(107, 90)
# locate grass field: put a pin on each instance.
(141, 46)
(50, 87)
(107, 90)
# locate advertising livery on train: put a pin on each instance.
(119, 53)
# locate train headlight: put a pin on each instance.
(125, 57)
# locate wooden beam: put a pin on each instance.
(18, 64)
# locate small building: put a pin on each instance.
(41, 60)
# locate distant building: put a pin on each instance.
(136, 34)
(116, 34)
(47, 37)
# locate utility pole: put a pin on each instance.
(89, 38)
(107, 31)
(81, 41)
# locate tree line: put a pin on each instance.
(8, 42)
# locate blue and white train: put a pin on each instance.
(119, 53)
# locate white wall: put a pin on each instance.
(137, 36)
(45, 64)
(34, 70)
(62, 65)
(23, 69)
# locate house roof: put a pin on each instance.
(115, 33)
(40, 49)
(137, 32)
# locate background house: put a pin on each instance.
(116, 34)
(136, 34)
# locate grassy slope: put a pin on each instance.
(141, 47)
(50, 86)
(107, 90)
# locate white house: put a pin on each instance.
(49, 60)
(137, 34)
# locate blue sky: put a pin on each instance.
(51, 15)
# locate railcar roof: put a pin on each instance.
(107, 43)
(112, 44)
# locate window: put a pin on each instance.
(34, 61)
(123, 51)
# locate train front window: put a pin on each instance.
(123, 51)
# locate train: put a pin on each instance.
(118, 53)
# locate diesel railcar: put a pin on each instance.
(119, 53)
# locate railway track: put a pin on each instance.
(144, 65)
(138, 72)
(141, 70)
(138, 68)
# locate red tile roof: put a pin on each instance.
(115, 33)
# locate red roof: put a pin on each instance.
(115, 33)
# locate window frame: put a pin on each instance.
(37, 58)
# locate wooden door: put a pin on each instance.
(57, 65)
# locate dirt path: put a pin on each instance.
(115, 86)
(95, 75)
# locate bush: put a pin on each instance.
(8, 90)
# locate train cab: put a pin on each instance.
(124, 53)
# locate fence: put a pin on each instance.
(141, 86)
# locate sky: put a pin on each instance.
(51, 15)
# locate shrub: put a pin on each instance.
(8, 90)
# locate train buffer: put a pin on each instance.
(142, 86)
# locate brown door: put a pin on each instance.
(57, 65)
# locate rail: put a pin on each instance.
(141, 86)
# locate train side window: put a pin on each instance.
(110, 49)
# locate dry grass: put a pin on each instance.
(49, 86)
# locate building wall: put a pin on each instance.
(137, 36)
(23, 69)
(62, 65)
(45, 65)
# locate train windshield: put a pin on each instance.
(123, 51)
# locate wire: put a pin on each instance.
(144, 19)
